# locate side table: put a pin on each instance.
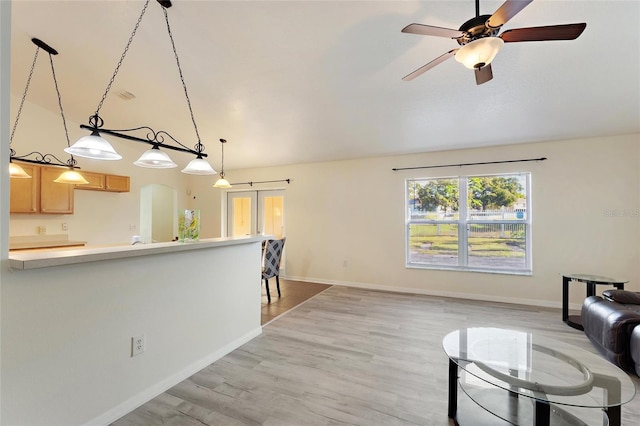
(591, 281)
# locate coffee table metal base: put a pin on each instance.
(513, 410)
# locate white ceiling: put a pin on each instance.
(304, 81)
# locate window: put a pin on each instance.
(472, 223)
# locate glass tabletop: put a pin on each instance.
(537, 367)
(598, 279)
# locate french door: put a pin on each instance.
(255, 212)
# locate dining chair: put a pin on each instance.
(271, 256)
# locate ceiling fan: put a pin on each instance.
(480, 42)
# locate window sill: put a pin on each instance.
(470, 269)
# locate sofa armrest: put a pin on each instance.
(622, 296)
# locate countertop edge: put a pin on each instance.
(70, 256)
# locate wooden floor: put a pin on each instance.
(347, 357)
(293, 294)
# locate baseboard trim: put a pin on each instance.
(455, 295)
(151, 392)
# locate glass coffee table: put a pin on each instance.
(527, 379)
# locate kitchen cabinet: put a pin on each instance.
(41, 194)
(117, 183)
(55, 198)
(25, 193)
(105, 182)
(96, 181)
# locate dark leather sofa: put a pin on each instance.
(612, 323)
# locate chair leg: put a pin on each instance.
(266, 284)
(278, 284)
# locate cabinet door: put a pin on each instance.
(24, 192)
(96, 181)
(117, 183)
(55, 198)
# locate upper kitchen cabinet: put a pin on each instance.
(117, 183)
(25, 193)
(105, 182)
(55, 198)
(41, 194)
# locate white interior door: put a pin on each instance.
(255, 212)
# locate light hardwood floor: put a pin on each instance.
(347, 357)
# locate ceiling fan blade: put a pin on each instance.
(430, 65)
(551, 32)
(483, 74)
(508, 10)
(431, 31)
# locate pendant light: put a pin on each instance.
(155, 159)
(95, 146)
(222, 182)
(70, 176)
(16, 171)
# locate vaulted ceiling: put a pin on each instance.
(302, 81)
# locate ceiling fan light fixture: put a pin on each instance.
(480, 52)
(15, 171)
(199, 166)
(155, 159)
(93, 146)
(71, 177)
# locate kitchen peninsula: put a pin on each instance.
(192, 302)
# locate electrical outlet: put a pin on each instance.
(65, 227)
(132, 227)
(138, 344)
(42, 230)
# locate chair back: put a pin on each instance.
(271, 258)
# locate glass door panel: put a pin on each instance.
(255, 212)
(241, 216)
(271, 213)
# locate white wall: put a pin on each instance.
(5, 59)
(67, 330)
(353, 211)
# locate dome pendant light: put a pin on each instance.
(199, 166)
(155, 159)
(222, 182)
(15, 171)
(93, 146)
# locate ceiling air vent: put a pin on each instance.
(127, 96)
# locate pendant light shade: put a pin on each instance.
(93, 146)
(199, 166)
(222, 183)
(155, 159)
(72, 177)
(480, 52)
(18, 172)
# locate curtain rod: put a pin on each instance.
(469, 164)
(262, 181)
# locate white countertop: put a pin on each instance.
(21, 260)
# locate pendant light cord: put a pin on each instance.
(115, 72)
(24, 95)
(72, 161)
(222, 169)
(198, 147)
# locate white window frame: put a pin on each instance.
(463, 223)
